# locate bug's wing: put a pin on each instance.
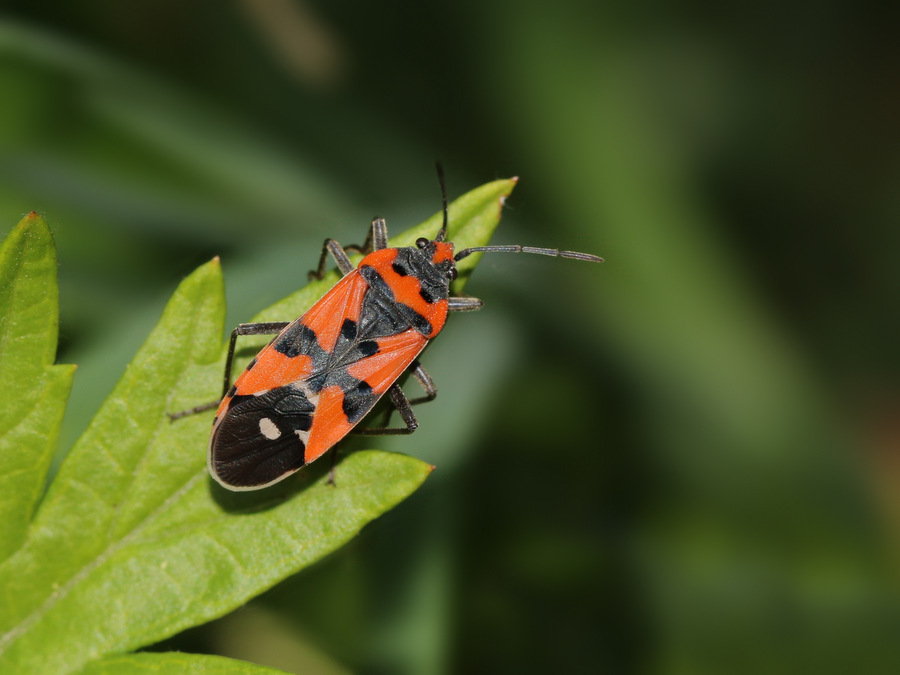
(358, 387)
(261, 439)
(341, 304)
(303, 346)
(262, 425)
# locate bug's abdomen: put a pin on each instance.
(262, 437)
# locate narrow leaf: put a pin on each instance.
(33, 392)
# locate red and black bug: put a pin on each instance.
(322, 373)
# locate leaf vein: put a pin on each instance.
(18, 631)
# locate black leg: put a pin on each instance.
(463, 303)
(375, 241)
(340, 257)
(404, 406)
(267, 328)
(193, 411)
(424, 379)
(378, 237)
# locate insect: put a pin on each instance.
(325, 371)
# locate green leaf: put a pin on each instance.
(134, 542)
(33, 391)
(149, 663)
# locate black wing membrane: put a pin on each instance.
(262, 438)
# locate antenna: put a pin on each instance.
(442, 233)
(515, 248)
(511, 248)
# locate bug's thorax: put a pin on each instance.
(415, 276)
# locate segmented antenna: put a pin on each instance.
(512, 248)
(515, 248)
(442, 233)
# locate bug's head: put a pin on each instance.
(440, 254)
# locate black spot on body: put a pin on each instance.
(231, 392)
(358, 400)
(348, 329)
(297, 339)
(300, 339)
(426, 295)
(251, 364)
(368, 347)
(419, 322)
(400, 269)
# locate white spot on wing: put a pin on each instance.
(268, 429)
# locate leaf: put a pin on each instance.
(134, 542)
(33, 391)
(149, 663)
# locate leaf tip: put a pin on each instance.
(510, 184)
(211, 269)
(32, 220)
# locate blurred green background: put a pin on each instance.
(683, 461)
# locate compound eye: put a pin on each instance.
(422, 242)
(452, 273)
